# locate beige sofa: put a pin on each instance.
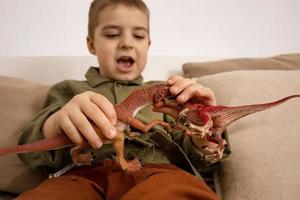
(265, 160)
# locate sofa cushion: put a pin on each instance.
(265, 146)
(20, 100)
(281, 62)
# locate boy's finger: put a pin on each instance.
(180, 85)
(173, 79)
(207, 95)
(85, 128)
(105, 106)
(203, 94)
(187, 93)
(94, 113)
(70, 130)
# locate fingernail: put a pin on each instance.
(175, 89)
(112, 132)
(182, 98)
(98, 144)
(170, 81)
(114, 121)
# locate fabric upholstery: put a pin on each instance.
(281, 62)
(20, 100)
(265, 146)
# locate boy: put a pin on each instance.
(119, 37)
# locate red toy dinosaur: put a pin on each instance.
(204, 124)
(126, 112)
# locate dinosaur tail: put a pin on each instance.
(226, 115)
(43, 145)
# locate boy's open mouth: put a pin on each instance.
(125, 63)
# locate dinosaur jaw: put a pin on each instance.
(192, 129)
(204, 127)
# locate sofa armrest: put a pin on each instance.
(20, 100)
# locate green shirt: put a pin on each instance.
(154, 147)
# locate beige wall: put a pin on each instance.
(206, 28)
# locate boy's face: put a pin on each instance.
(121, 42)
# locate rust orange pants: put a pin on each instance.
(107, 181)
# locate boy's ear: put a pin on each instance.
(90, 45)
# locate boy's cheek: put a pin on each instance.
(105, 59)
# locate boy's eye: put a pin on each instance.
(140, 37)
(112, 35)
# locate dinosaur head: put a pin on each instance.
(195, 122)
(162, 92)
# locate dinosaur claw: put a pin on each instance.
(132, 165)
(84, 159)
(132, 135)
(212, 155)
(169, 129)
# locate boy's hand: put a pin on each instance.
(187, 88)
(74, 119)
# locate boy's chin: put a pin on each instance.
(125, 77)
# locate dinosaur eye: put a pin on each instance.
(157, 98)
(183, 119)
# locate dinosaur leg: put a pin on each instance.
(118, 144)
(212, 152)
(212, 155)
(132, 135)
(81, 158)
(156, 122)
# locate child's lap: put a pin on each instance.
(106, 181)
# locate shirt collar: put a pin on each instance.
(94, 78)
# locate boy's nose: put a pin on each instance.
(125, 43)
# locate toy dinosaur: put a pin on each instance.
(205, 123)
(126, 112)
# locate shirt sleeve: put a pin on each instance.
(32, 132)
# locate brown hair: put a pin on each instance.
(98, 5)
